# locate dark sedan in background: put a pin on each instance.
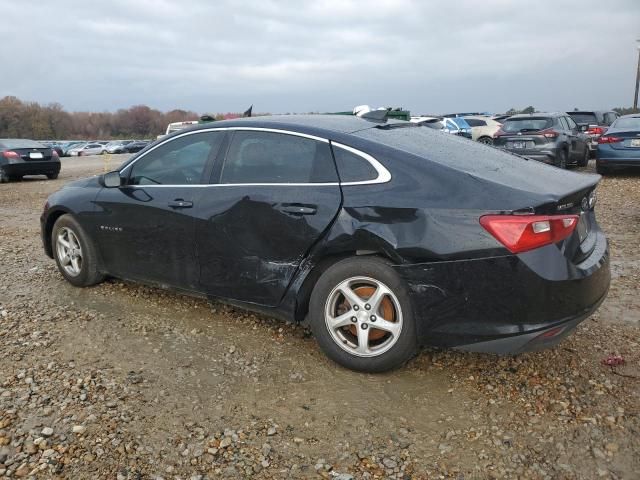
(20, 157)
(552, 138)
(382, 235)
(619, 147)
(595, 123)
(133, 147)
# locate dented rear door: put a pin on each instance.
(272, 198)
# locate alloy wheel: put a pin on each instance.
(363, 316)
(69, 251)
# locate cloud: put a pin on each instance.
(329, 55)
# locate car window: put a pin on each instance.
(632, 123)
(523, 124)
(352, 167)
(562, 123)
(584, 117)
(474, 122)
(267, 157)
(180, 161)
(572, 125)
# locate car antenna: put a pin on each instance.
(247, 113)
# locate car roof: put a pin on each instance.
(631, 115)
(318, 123)
(538, 114)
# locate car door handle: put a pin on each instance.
(298, 209)
(180, 203)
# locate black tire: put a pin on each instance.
(4, 178)
(15, 178)
(602, 170)
(88, 271)
(401, 347)
(584, 161)
(561, 158)
(486, 140)
(52, 176)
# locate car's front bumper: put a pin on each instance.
(502, 304)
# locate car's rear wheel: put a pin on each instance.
(486, 140)
(74, 253)
(4, 177)
(602, 170)
(361, 315)
(584, 161)
(52, 176)
(561, 158)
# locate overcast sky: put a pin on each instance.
(215, 56)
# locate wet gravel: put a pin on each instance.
(125, 381)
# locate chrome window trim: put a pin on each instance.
(384, 175)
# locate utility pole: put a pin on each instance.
(635, 98)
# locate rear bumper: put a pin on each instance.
(544, 155)
(32, 168)
(502, 304)
(609, 157)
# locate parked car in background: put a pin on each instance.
(432, 122)
(501, 118)
(457, 126)
(55, 146)
(116, 146)
(68, 146)
(483, 128)
(20, 157)
(619, 146)
(383, 236)
(86, 149)
(594, 123)
(176, 126)
(134, 146)
(552, 138)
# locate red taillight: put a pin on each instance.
(54, 153)
(498, 133)
(610, 139)
(521, 233)
(549, 133)
(596, 130)
(10, 154)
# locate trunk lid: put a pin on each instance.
(631, 140)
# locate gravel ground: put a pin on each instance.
(122, 381)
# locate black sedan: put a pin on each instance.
(383, 236)
(133, 147)
(20, 157)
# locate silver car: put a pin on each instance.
(86, 149)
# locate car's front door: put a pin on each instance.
(273, 197)
(145, 228)
(579, 140)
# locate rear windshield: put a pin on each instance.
(584, 117)
(529, 124)
(632, 123)
(19, 143)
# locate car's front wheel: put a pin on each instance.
(52, 176)
(486, 140)
(361, 315)
(74, 253)
(4, 176)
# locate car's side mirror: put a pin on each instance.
(112, 180)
